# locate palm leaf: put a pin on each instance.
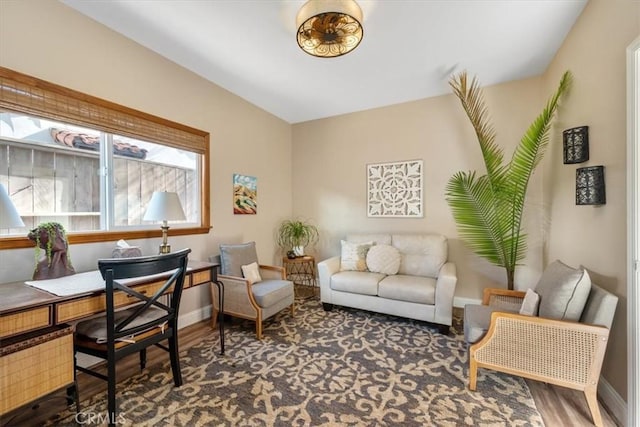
(471, 202)
(488, 209)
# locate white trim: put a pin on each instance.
(615, 405)
(194, 316)
(461, 302)
(633, 241)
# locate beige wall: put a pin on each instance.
(330, 158)
(48, 40)
(323, 176)
(596, 237)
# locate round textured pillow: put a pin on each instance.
(383, 259)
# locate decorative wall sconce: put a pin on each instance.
(575, 143)
(590, 186)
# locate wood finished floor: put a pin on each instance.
(558, 406)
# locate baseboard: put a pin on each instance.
(461, 302)
(610, 398)
(194, 316)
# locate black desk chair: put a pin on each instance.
(120, 333)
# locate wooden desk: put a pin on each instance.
(36, 341)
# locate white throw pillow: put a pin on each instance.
(530, 303)
(383, 259)
(251, 272)
(354, 255)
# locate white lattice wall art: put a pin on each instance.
(395, 189)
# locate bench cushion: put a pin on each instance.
(96, 328)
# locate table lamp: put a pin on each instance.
(164, 206)
(9, 217)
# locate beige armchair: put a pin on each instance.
(560, 352)
(254, 298)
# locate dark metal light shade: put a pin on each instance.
(329, 28)
(590, 186)
(575, 145)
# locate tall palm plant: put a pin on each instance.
(488, 208)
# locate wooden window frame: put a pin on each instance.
(21, 93)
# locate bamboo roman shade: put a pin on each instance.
(29, 95)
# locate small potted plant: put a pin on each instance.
(294, 235)
(52, 238)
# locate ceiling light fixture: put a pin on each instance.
(329, 28)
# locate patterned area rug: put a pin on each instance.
(340, 368)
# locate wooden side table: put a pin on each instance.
(302, 272)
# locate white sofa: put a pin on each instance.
(422, 289)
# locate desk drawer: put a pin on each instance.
(25, 321)
(198, 278)
(83, 307)
(37, 370)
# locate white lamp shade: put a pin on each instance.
(9, 217)
(164, 206)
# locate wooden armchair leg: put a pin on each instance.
(293, 310)
(473, 373)
(259, 329)
(592, 401)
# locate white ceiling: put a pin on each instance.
(409, 49)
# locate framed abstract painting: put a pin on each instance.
(245, 194)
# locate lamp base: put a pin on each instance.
(165, 248)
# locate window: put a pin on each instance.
(92, 165)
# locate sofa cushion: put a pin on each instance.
(354, 256)
(383, 259)
(356, 282)
(563, 291)
(476, 320)
(269, 292)
(233, 257)
(421, 290)
(422, 255)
